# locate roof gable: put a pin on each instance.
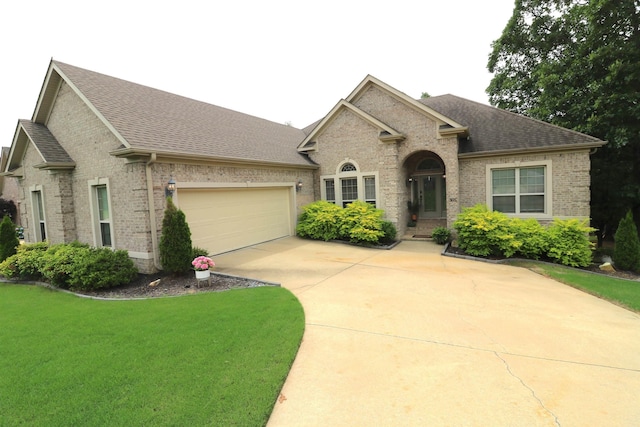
(447, 126)
(54, 157)
(387, 133)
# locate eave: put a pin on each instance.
(133, 155)
(55, 166)
(547, 149)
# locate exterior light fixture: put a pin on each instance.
(170, 188)
(299, 185)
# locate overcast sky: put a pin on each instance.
(285, 61)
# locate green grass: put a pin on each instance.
(206, 359)
(625, 293)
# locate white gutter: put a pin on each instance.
(152, 213)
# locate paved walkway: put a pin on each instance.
(408, 337)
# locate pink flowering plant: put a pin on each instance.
(202, 263)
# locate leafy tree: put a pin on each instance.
(574, 63)
(626, 254)
(8, 240)
(425, 95)
(175, 243)
(8, 208)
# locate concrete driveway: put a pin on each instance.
(407, 337)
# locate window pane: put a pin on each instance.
(38, 195)
(532, 180)
(531, 204)
(103, 204)
(349, 189)
(506, 204)
(503, 181)
(369, 188)
(105, 233)
(330, 190)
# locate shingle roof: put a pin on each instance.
(492, 129)
(46, 143)
(151, 119)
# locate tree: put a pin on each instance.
(626, 254)
(576, 63)
(425, 95)
(8, 208)
(175, 243)
(8, 239)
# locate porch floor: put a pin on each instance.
(423, 229)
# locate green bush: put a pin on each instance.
(361, 222)
(57, 262)
(441, 235)
(100, 268)
(8, 239)
(196, 252)
(482, 232)
(319, 220)
(74, 265)
(390, 232)
(568, 242)
(531, 236)
(175, 243)
(626, 255)
(25, 264)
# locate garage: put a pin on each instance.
(225, 219)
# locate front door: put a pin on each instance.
(432, 196)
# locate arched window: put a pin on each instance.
(349, 185)
(430, 164)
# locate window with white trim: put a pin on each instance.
(350, 184)
(520, 189)
(39, 219)
(101, 212)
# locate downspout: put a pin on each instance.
(152, 213)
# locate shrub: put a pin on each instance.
(25, 264)
(568, 242)
(389, 231)
(99, 268)
(361, 222)
(319, 220)
(482, 232)
(441, 235)
(8, 239)
(626, 254)
(531, 236)
(57, 262)
(175, 243)
(196, 252)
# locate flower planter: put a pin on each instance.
(203, 275)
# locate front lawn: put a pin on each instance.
(625, 293)
(205, 359)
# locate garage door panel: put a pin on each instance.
(223, 220)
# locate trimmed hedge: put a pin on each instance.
(482, 232)
(359, 222)
(74, 266)
(626, 254)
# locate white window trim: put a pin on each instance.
(358, 174)
(95, 219)
(34, 212)
(548, 187)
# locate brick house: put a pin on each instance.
(94, 163)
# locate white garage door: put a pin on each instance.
(222, 220)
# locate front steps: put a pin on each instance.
(423, 229)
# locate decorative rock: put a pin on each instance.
(154, 283)
(607, 267)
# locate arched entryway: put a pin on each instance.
(427, 185)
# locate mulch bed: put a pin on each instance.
(145, 286)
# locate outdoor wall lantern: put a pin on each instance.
(299, 185)
(170, 188)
